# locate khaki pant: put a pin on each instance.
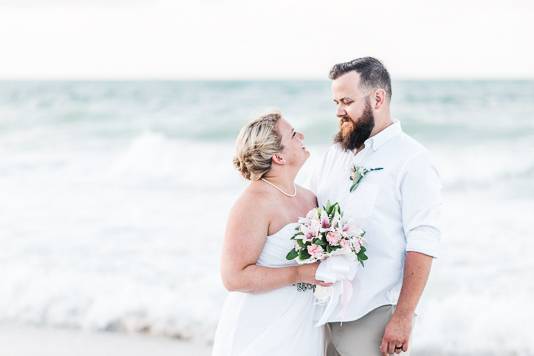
(360, 337)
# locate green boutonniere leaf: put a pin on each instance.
(357, 175)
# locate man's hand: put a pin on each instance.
(397, 334)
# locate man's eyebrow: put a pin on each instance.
(343, 98)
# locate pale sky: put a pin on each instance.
(270, 39)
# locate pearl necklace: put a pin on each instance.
(280, 189)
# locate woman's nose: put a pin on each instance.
(301, 135)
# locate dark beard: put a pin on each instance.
(359, 132)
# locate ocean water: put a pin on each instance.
(114, 197)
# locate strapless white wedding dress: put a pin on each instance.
(275, 323)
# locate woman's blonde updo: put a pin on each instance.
(256, 143)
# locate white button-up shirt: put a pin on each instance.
(397, 206)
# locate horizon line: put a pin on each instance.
(244, 79)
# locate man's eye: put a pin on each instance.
(294, 133)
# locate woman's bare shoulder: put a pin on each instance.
(253, 205)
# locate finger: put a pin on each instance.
(405, 346)
(398, 349)
(324, 284)
(391, 347)
(383, 347)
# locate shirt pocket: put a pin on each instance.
(360, 204)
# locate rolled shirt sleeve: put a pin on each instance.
(420, 189)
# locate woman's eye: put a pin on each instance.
(294, 133)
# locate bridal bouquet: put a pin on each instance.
(324, 233)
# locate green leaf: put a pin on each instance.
(328, 209)
(304, 255)
(356, 183)
(331, 211)
(362, 256)
(297, 234)
(291, 255)
(320, 243)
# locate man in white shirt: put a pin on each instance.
(396, 202)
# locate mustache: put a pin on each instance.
(345, 123)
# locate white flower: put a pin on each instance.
(356, 246)
(336, 220)
(315, 227)
(313, 214)
(325, 221)
(304, 221)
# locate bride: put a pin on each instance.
(264, 313)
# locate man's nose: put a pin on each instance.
(301, 136)
(340, 112)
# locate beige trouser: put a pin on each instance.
(361, 337)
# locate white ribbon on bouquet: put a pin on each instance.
(340, 270)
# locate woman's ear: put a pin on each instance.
(279, 159)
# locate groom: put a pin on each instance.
(397, 203)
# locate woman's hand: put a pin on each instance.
(306, 274)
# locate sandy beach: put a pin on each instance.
(25, 340)
(19, 340)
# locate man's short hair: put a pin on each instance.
(373, 74)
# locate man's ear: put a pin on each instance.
(379, 98)
(279, 159)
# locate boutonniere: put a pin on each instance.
(357, 175)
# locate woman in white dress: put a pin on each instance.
(264, 313)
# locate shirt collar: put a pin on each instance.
(376, 141)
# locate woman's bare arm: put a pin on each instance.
(245, 237)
